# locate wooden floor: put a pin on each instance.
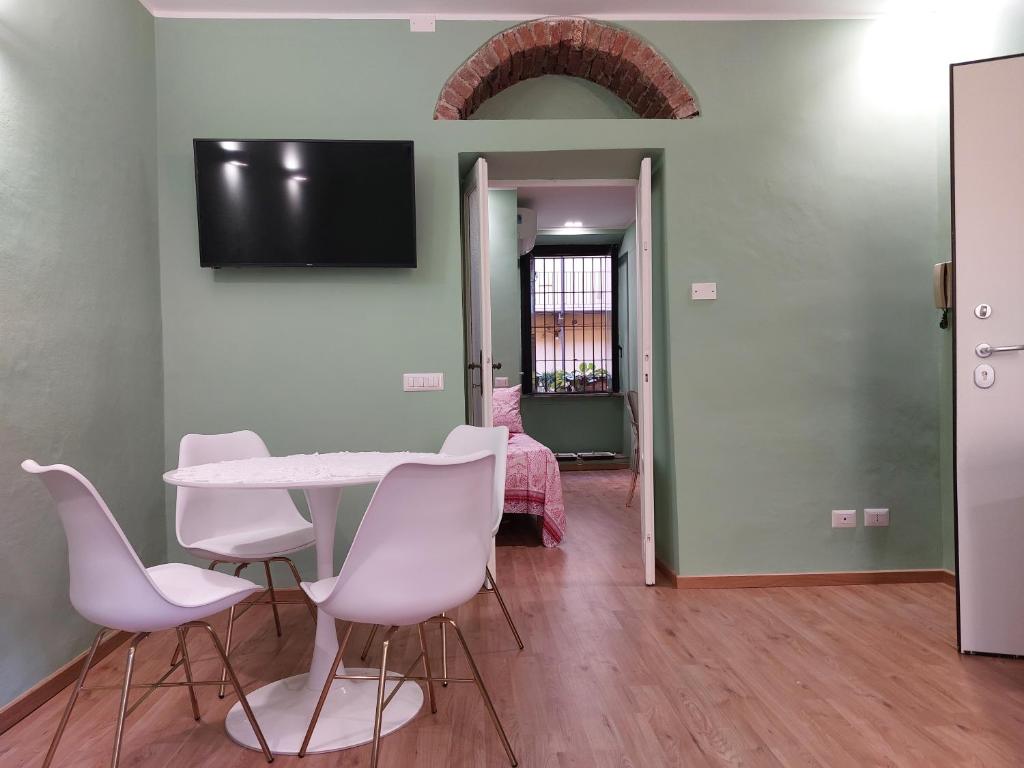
(616, 674)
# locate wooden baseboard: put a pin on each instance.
(23, 706)
(821, 579)
(46, 689)
(661, 567)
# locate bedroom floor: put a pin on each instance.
(618, 674)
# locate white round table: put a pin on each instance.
(285, 707)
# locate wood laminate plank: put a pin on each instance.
(617, 674)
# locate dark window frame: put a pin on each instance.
(526, 273)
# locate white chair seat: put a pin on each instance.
(319, 590)
(190, 587)
(254, 543)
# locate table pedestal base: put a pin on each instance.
(284, 708)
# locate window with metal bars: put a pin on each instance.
(570, 320)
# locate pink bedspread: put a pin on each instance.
(534, 487)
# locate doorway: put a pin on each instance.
(557, 297)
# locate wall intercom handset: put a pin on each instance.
(942, 290)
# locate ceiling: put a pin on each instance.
(594, 207)
(529, 9)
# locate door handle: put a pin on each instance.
(987, 350)
(496, 366)
(473, 366)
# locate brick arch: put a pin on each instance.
(609, 56)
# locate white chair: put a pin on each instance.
(462, 441)
(239, 526)
(111, 587)
(420, 551)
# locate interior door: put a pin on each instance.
(477, 299)
(644, 367)
(988, 202)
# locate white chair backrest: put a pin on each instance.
(109, 585)
(201, 513)
(465, 439)
(422, 546)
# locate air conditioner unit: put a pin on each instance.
(527, 218)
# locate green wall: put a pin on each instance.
(812, 383)
(570, 423)
(506, 302)
(551, 98)
(627, 329)
(80, 372)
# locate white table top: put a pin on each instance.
(299, 471)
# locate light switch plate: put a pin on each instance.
(703, 291)
(501, 381)
(422, 382)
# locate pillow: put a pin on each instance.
(505, 408)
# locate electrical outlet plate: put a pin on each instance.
(876, 518)
(703, 291)
(421, 22)
(844, 518)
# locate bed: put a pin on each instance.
(534, 487)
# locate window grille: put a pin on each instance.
(570, 320)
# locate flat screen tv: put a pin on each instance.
(305, 203)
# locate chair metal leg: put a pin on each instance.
(369, 642)
(323, 693)
(74, 697)
(177, 649)
(236, 685)
(273, 597)
(483, 691)
(504, 609)
(227, 638)
(298, 583)
(188, 671)
(636, 474)
(444, 652)
(125, 690)
(381, 683)
(426, 669)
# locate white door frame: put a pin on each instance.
(477, 294)
(645, 338)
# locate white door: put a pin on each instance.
(477, 299)
(988, 204)
(644, 368)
